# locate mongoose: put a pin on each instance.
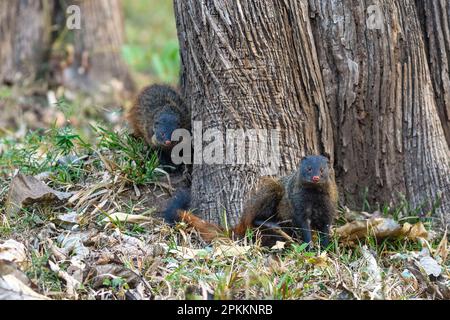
(156, 113)
(305, 200)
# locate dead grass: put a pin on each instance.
(78, 250)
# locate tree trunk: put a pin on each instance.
(435, 18)
(250, 65)
(330, 82)
(95, 63)
(388, 135)
(97, 66)
(25, 28)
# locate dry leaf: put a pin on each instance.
(26, 190)
(414, 232)
(381, 228)
(279, 245)
(350, 215)
(430, 266)
(72, 285)
(11, 250)
(111, 271)
(230, 251)
(124, 217)
(373, 271)
(73, 243)
(119, 244)
(14, 284)
(189, 253)
(69, 218)
(378, 227)
(320, 261)
(442, 248)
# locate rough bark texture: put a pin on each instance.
(435, 18)
(329, 83)
(388, 135)
(24, 38)
(250, 65)
(98, 64)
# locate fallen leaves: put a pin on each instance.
(14, 284)
(13, 251)
(279, 245)
(430, 266)
(373, 283)
(72, 244)
(124, 217)
(113, 271)
(217, 251)
(26, 190)
(72, 284)
(442, 248)
(230, 250)
(141, 261)
(381, 228)
(414, 232)
(320, 261)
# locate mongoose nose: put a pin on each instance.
(168, 142)
(316, 179)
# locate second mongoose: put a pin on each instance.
(156, 113)
(305, 200)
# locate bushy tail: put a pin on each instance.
(260, 208)
(180, 201)
(177, 211)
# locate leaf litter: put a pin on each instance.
(104, 239)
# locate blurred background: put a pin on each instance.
(80, 79)
(151, 45)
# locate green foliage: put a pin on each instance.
(59, 150)
(151, 39)
(39, 151)
(166, 65)
(116, 283)
(68, 108)
(40, 273)
(64, 140)
(138, 162)
(5, 92)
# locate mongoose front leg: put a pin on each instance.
(302, 221)
(306, 231)
(324, 236)
(323, 219)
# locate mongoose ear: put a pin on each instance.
(327, 156)
(301, 160)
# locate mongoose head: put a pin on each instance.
(314, 170)
(165, 123)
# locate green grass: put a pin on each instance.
(39, 272)
(138, 162)
(58, 151)
(292, 273)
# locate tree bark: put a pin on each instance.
(249, 65)
(331, 85)
(435, 18)
(25, 28)
(97, 65)
(388, 135)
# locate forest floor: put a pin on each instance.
(80, 206)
